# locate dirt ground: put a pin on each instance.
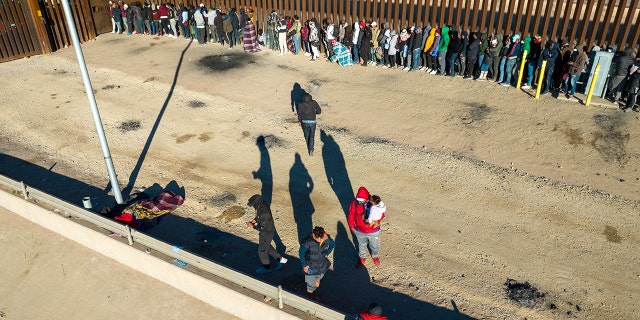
(483, 183)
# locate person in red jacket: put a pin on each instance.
(373, 313)
(367, 232)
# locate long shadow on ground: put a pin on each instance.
(344, 288)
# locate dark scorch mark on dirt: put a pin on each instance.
(376, 140)
(476, 112)
(574, 136)
(197, 104)
(523, 293)
(223, 199)
(226, 62)
(131, 125)
(286, 67)
(271, 141)
(610, 141)
(109, 87)
(612, 234)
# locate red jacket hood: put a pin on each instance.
(363, 193)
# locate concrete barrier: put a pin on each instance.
(205, 290)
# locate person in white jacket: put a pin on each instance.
(356, 37)
(393, 41)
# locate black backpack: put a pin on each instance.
(336, 31)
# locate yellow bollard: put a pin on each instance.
(524, 60)
(540, 78)
(593, 85)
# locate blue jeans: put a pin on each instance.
(502, 65)
(546, 84)
(508, 69)
(372, 240)
(373, 59)
(234, 37)
(356, 57)
(415, 59)
(452, 64)
(309, 131)
(296, 42)
(571, 79)
(531, 67)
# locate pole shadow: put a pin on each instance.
(296, 96)
(265, 175)
(300, 188)
(143, 154)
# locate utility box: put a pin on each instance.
(604, 59)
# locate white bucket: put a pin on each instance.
(86, 202)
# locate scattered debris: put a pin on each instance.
(131, 125)
(524, 293)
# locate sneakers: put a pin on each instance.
(263, 270)
(281, 263)
(376, 261)
(427, 69)
(526, 87)
(504, 84)
(406, 69)
(433, 72)
(311, 153)
(360, 262)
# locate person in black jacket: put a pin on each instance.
(532, 60)
(313, 253)
(263, 222)
(618, 80)
(365, 44)
(307, 111)
(472, 55)
(452, 50)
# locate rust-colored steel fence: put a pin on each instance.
(602, 22)
(29, 27)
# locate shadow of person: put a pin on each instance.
(296, 96)
(335, 169)
(265, 175)
(300, 188)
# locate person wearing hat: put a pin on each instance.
(374, 312)
(366, 232)
(375, 35)
(263, 222)
(365, 44)
(211, 27)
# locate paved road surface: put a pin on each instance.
(47, 276)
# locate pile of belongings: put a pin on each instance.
(146, 213)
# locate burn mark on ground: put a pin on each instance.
(226, 62)
(610, 141)
(130, 125)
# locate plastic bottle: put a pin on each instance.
(310, 271)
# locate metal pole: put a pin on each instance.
(541, 78)
(592, 86)
(524, 60)
(115, 187)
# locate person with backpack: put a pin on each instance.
(173, 19)
(294, 32)
(331, 34)
(576, 67)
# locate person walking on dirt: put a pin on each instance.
(307, 111)
(313, 253)
(366, 228)
(263, 222)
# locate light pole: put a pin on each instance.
(73, 32)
